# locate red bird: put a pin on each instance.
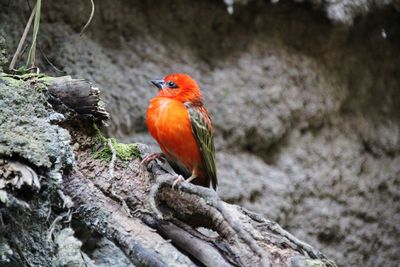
(179, 122)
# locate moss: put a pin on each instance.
(21, 77)
(40, 87)
(123, 151)
(11, 80)
(46, 80)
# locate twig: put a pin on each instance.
(154, 190)
(67, 202)
(32, 50)
(49, 61)
(112, 162)
(89, 20)
(111, 176)
(20, 253)
(22, 41)
(121, 199)
(53, 226)
(69, 216)
(48, 215)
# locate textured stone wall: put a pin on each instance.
(304, 96)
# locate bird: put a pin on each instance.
(178, 120)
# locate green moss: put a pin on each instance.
(11, 80)
(21, 77)
(123, 151)
(46, 80)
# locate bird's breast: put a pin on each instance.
(167, 117)
(169, 123)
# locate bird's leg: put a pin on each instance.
(181, 179)
(192, 177)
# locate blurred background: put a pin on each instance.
(304, 95)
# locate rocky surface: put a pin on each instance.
(306, 111)
(27, 130)
(339, 11)
(3, 56)
(33, 153)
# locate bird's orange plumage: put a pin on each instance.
(168, 121)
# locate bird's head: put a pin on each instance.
(180, 87)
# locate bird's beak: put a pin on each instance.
(158, 83)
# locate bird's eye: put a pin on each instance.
(171, 84)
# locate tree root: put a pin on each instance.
(288, 239)
(245, 238)
(209, 205)
(104, 216)
(191, 220)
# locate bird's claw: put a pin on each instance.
(178, 179)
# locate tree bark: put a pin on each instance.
(139, 213)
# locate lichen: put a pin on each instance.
(301, 261)
(5, 251)
(26, 129)
(69, 250)
(123, 151)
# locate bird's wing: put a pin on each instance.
(204, 135)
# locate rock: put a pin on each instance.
(247, 181)
(25, 130)
(3, 55)
(69, 249)
(343, 188)
(339, 11)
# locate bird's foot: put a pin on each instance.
(178, 179)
